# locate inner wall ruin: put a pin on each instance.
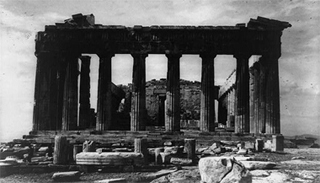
(250, 104)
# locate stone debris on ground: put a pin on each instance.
(117, 180)
(258, 165)
(66, 176)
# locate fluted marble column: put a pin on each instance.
(207, 113)
(45, 98)
(84, 109)
(255, 98)
(104, 105)
(172, 120)
(272, 95)
(138, 104)
(263, 74)
(228, 109)
(251, 100)
(70, 95)
(242, 94)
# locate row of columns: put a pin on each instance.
(56, 92)
(56, 95)
(253, 101)
(256, 100)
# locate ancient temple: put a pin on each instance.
(250, 105)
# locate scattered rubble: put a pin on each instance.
(66, 176)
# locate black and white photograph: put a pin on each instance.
(160, 91)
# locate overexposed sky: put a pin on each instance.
(299, 64)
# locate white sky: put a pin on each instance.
(299, 64)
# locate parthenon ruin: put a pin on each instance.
(251, 104)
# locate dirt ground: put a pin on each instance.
(305, 168)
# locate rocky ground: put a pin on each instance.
(293, 165)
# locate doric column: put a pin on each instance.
(84, 109)
(262, 95)
(228, 125)
(207, 113)
(172, 121)
(272, 95)
(45, 98)
(232, 106)
(161, 110)
(251, 100)
(242, 94)
(104, 104)
(70, 94)
(138, 102)
(255, 98)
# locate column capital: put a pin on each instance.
(207, 55)
(105, 55)
(85, 57)
(173, 55)
(139, 55)
(242, 56)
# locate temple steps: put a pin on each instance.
(154, 138)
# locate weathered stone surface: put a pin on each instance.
(298, 157)
(110, 158)
(242, 152)
(259, 173)
(60, 155)
(185, 175)
(117, 180)
(216, 169)
(259, 145)
(161, 173)
(238, 174)
(89, 146)
(215, 145)
(157, 156)
(261, 165)
(66, 176)
(274, 177)
(277, 143)
(180, 161)
(268, 145)
(249, 145)
(166, 157)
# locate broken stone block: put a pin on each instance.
(259, 145)
(66, 176)
(173, 150)
(258, 165)
(298, 157)
(268, 145)
(200, 150)
(249, 145)
(242, 152)
(241, 145)
(180, 161)
(110, 158)
(165, 157)
(215, 145)
(277, 143)
(168, 143)
(158, 158)
(89, 146)
(219, 150)
(222, 169)
(123, 149)
(238, 174)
